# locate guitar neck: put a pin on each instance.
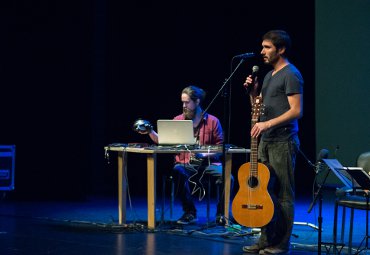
(256, 112)
(254, 152)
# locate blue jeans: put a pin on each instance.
(193, 180)
(280, 157)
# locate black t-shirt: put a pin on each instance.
(275, 89)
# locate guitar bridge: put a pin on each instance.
(252, 207)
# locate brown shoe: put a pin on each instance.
(276, 251)
(254, 248)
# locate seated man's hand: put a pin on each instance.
(144, 132)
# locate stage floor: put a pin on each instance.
(90, 227)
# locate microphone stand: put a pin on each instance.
(225, 124)
(317, 196)
(223, 85)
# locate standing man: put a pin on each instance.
(207, 131)
(282, 95)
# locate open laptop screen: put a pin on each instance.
(173, 132)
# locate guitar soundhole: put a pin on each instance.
(252, 182)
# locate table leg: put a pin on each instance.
(151, 168)
(122, 187)
(227, 186)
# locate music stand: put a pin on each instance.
(360, 180)
(344, 177)
(357, 175)
(332, 164)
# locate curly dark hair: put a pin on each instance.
(280, 39)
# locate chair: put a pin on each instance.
(352, 199)
(211, 172)
(364, 161)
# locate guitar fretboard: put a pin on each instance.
(254, 152)
(256, 112)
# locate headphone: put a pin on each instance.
(142, 126)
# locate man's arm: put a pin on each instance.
(253, 89)
(295, 112)
(154, 136)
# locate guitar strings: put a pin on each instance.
(251, 162)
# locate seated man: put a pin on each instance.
(207, 131)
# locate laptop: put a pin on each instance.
(175, 132)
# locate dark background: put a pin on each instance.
(75, 75)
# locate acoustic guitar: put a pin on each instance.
(252, 205)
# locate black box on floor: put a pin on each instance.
(7, 163)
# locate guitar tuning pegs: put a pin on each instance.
(262, 109)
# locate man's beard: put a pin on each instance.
(271, 60)
(189, 114)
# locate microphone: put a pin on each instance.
(323, 154)
(336, 150)
(255, 70)
(245, 55)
